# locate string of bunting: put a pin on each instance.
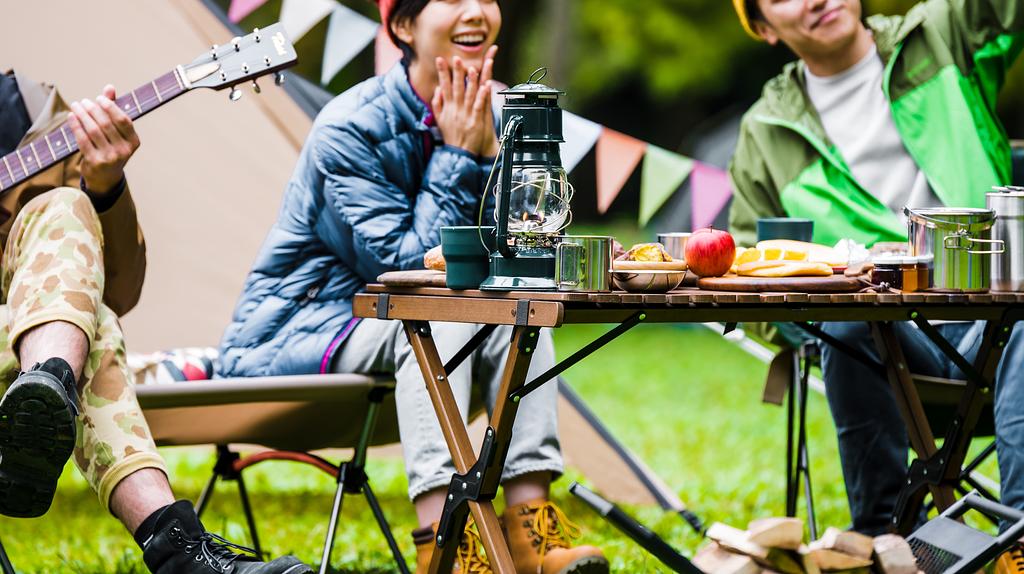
(664, 173)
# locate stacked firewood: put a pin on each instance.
(775, 545)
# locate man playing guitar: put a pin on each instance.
(73, 259)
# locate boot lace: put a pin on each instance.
(216, 551)
(552, 529)
(471, 557)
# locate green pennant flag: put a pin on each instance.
(663, 173)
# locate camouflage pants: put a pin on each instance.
(52, 270)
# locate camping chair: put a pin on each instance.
(288, 415)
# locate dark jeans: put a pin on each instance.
(873, 442)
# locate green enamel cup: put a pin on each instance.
(466, 253)
(785, 228)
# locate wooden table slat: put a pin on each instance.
(678, 298)
(773, 297)
(655, 299)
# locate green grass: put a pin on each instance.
(686, 401)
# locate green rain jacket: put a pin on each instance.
(945, 64)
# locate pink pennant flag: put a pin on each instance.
(617, 157)
(241, 8)
(710, 191)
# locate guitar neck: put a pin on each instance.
(45, 152)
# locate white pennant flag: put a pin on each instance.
(299, 16)
(347, 34)
(580, 136)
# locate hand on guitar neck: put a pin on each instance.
(107, 139)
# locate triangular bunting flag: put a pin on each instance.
(580, 135)
(347, 34)
(386, 52)
(663, 173)
(241, 8)
(299, 16)
(710, 192)
(617, 156)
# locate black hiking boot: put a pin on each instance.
(180, 545)
(37, 436)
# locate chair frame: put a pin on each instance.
(350, 477)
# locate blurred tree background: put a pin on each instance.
(676, 73)
(662, 70)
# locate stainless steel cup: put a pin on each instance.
(675, 244)
(1008, 270)
(583, 263)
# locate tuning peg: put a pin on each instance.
(235, 94)
(235, 42)
(213, 51)
(279, 78)
(256, 35)
(255, 87)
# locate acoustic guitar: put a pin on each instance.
(264, 51)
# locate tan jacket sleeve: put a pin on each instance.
(124, 247)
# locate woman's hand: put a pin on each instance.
(489, 146)
(462, 105)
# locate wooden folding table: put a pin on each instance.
(475, 482)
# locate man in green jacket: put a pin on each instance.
(875, 115)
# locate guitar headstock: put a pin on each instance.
(264, 51)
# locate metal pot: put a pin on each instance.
(1008, 270)
(675, 244)
(960, 241)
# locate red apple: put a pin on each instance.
(710, 252)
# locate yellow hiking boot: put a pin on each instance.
(538, 535)
(470, 558)
(1011, 562)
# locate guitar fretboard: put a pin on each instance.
(44, 152)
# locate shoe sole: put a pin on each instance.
(37, 437)
(590, 565)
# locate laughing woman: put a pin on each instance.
(387, 164)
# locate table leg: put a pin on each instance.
(454, 429)
(922, 440)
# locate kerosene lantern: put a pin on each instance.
(533, 191)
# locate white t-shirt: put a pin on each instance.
(858, 120)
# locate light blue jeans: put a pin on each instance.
(873, 442)
(381, 347)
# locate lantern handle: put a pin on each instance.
(543, 71)
(513, 128)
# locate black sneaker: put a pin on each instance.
(37, 436)
(180, 545)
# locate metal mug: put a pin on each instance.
(1008, 270)
(675, 244)
(583, 263)
(960, 241)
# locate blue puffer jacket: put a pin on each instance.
(369, 194)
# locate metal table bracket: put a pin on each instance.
(465, 488)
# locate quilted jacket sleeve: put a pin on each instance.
(391, 229)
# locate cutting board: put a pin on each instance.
(833, 284)
(413, 278)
